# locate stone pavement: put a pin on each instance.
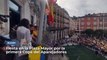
(57, 57)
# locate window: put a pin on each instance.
(95, 18)
(82, 23)
(13, 6)
(82, 18)
(32, 20)
(82, 28)
(95, 23)
(14, 12)
(95, 28)
(88, 27)
(88, 18)
(88, 23)
(101, 23)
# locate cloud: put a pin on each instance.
(82, 7)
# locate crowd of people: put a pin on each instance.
(25, 35)
(98, 45)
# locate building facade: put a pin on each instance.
(92, 21)
(60, 27)
(73, 24)
(15, 10)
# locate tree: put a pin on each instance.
(89, 32)
(105, 33)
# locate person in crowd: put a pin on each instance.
(23, 31)
(13, 39)
(24, 36)
(2, 49)
(66, 38)
(34, 32)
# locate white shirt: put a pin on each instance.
(24, 33)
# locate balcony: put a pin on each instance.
(56, 28)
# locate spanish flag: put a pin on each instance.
(51, 12)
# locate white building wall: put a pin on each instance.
(4, 10)
(25, 11)
(72, 25)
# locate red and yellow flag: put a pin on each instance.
(51, 12)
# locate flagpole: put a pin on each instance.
(42, 14)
